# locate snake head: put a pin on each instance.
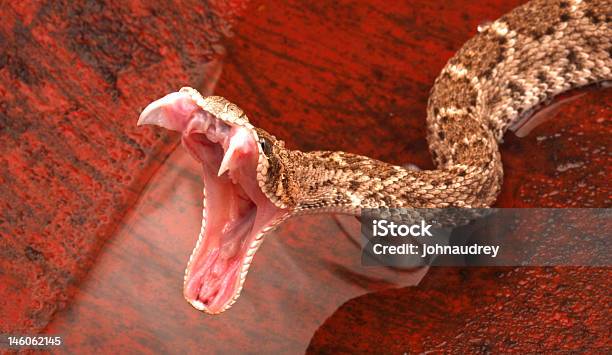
(281, 182)
(242, 172)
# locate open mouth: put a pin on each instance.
(236, 212)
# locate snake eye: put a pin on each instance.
(266, 146)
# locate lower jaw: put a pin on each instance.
(223, 254)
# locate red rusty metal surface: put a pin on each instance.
(346, 75)
(478, 310)
(73, 78)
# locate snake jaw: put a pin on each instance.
(237, 214)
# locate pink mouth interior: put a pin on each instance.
(236, 210)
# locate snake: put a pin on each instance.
(252, 182)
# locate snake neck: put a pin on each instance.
(347, 183)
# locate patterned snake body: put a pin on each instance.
(512, 65)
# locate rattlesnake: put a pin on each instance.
(252, 182)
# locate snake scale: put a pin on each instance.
(253, 183)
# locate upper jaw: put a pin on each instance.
(172, 112)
